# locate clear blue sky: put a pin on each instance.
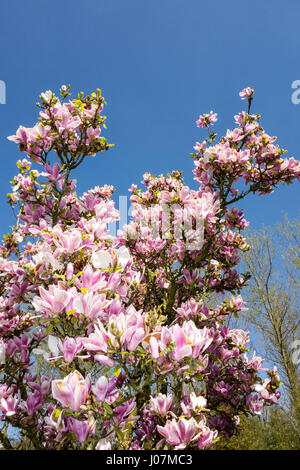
(159, 64)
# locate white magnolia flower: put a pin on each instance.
(103, 444)
(47, 96)
(197, 402)
(47, 258)
(214, 262)
(101, 259)
(207, 155)
(55, 345)
(2, 352)
(123, 256)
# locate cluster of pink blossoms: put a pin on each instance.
(66, 128)
(107, 342)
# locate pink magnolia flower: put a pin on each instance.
(206, 438)
(9, 405)
(64, 119)
(239, 337)
(238, 302)
(240, 118)
(100, 389)
(180, 433)
(21, 135)
(255, 362)
(92, 280)
(255, 403)
(69, 272)
(41, 389)
(189, 278)
(45, 385)
(68, 241)
(92, 134)
(200, 147)
(124, 410)
(71, 347)
(133, 337)
(183, 347)
(114, 282)
(199, 338)
(187, 340)
(246, 93)
(115, 307)
(34, 402)
(154, 347)
(107, 361)
(190, 308)
(130, 326)
(161, 404)
(80, 428)
(207, 119)
(72, 391)
(90, 304)
(53, 300)
(265, 393)
(53, 174)
(132, 188)
(97, 341)
(18, 347)
(103, 388)
(106, 210)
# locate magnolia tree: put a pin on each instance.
(107, 342)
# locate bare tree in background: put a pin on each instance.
(273, 300)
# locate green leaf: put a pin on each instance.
(119, 434)
(108, 408)
(140, 350)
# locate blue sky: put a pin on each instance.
(159, 64)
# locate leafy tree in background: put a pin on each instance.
(273, 430)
